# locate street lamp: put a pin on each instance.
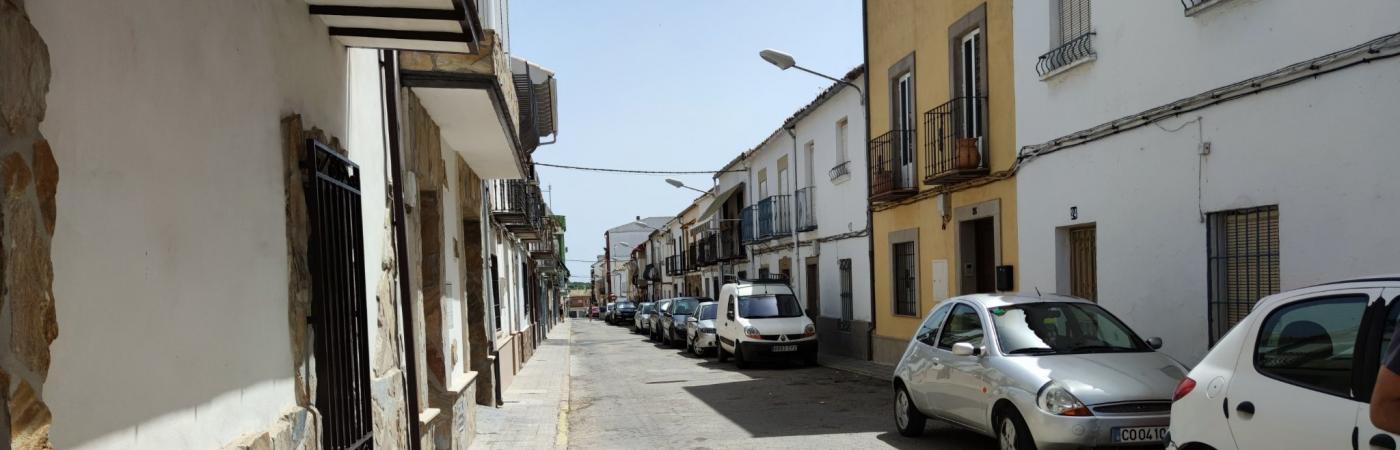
(785, 61)
(679, 184)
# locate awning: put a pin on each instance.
(426, 25)
(718, 203)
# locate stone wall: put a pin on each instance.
(29, 180)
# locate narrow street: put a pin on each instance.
(628, 392)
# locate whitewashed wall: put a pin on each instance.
(1320, 149)
(170, 253)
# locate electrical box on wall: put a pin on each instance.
(1004, 280)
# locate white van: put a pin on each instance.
(763, 320)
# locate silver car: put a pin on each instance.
(673, 321)
(642, 321)
(700, 329)
(1035, 372)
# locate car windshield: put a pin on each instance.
(707, 312)
(647, 308)
(626, 306)
(1061, 328)
(769, 306)
(684, 306)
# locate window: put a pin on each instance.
(1070, 31)
(1083, 263)
(963, 326)
(905, 294)
(808, 156)
(847, 302)
(1063, 328)
(763, 273)
(1311, 343)
(769, 306)
(841, 135)
(1243, 263)
(928, 332)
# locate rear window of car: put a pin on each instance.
(647, 308)
(707, 312)
(684, 306)
(626, 305)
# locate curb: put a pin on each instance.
(561, 429)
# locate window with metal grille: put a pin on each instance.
(338, 305)
(1243, 263)
(847, 302)
(905, 297)
(1070, 33)
(1083, 262)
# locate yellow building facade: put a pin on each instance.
(942, 150)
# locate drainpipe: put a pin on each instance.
(869, 212)
(388, 64)
(798, 267)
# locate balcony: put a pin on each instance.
(773, 217)
(893, 166)
(840, 170)
(692, 262)
(955, 141)
(747, 225)
(675, 265)
(517, 206)
(1070, 52)
(806, 214)
(542, 250)
(731, 244)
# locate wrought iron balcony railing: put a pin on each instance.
(840, 170)
(518, 206)
(893, 166)
(748, 226)
(731, 243)
(955, 141)
(806, 215)
(1071, 51)
(773, 217)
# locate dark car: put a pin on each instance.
(672, 322)
(654, 322)
(623, 312)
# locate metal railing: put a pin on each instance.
(731, 243)
(806, 215)
(773, 217)
(840, 170)
(955, 141)
(748, 226)
(1071, 51)
(893, 165)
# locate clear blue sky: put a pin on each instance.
(668, 85)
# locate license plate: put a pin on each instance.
(784, 348)
(1139, 434)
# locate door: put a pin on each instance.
(904, 122)
(1367, 435)
(814, 291)
(924, 363)
(979, 258)
(961, 388)
(1083, 263)
(1292, 386)
(729, 327)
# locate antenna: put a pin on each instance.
(1037, 291)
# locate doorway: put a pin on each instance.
(978, 256)
(814, 290)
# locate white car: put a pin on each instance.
(1296, 373)
(763, 320)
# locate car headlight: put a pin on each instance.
(752, 332)
(810, 331)
(1056, 399)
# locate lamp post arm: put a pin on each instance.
(852, 85)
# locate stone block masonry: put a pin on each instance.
(28, 181)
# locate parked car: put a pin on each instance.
(700, 329)
(1035, 372)
(1297, 372)
(593, 312)
(607, 312)
(654, 322)
(762, 320)
(673, 323)
(623, 312)
(642, 321)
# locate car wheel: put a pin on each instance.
(739, 360)
(721, 354)
(906, 416)
(1012, 433)
(690, 346)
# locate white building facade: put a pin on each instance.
(1177, 164)
(808, 177)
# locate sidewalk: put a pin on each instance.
(858, 366)
(535, 414)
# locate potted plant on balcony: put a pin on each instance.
(966, 154)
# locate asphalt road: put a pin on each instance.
(627, 392)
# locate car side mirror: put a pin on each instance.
(1155, 343)
(964, 349)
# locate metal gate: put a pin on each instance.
(338, 298)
